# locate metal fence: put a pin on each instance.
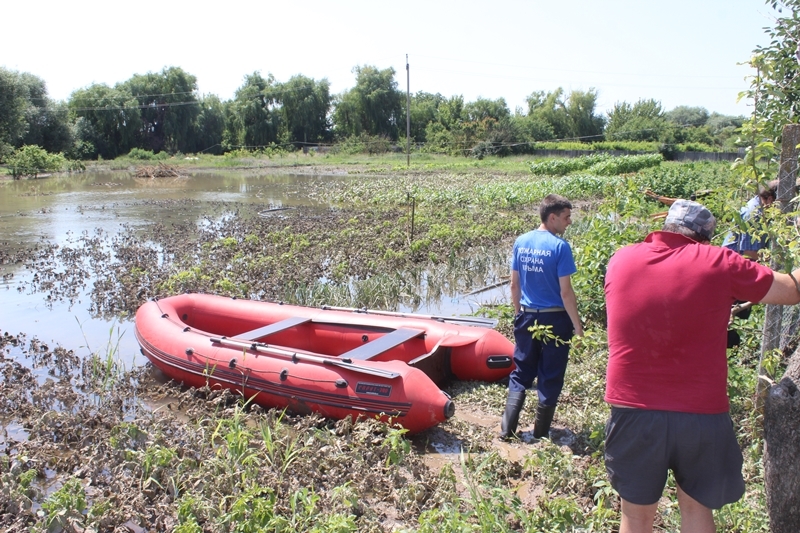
(675, 156)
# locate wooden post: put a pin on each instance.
(781, 401)
(408, 115)
(787, 176)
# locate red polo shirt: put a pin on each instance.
(669, 301)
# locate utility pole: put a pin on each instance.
(408, 115)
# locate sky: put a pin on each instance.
(681, 52)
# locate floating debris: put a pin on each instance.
(266, 212)
(159, 171)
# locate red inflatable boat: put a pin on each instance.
(338, 362)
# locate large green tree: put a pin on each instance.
(424, 110)
(483, 108)
(108, 122)
(532, 127)
(687, 124)
(374, 106)
(775, 83)
(584, 122)
(50, 126)
(549, 108)
(725, 129)
(446, 133)
(253, 120)
(16, 91)
(169, 108)
(642, 121)
(488, 127)
(304, 107)
(687, 116)
(29, 117)
(572, 116)
(208, 129)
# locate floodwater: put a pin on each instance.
(59, 209)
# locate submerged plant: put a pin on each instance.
(66, 507)
(104, 371)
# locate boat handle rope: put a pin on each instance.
(283, 374)
(306, 358)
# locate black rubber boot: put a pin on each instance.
(514, 403)
(544, 417)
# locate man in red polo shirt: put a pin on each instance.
(668, 301)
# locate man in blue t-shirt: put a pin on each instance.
(749, 245)
(743, 242)
(542, 294)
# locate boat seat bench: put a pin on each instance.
(382, 344)
(265, 331)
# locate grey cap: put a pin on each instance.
(693, 216)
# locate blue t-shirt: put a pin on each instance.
(744, 242)
(541, 258)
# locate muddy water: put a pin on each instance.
(58, 411)
(61, 209)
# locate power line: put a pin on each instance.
(126, 96)
(171, 104)
(539, 79)
(529, 67)
(141, 106)
(280, 88)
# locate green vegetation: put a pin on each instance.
(163, 114)
(599, 164)
(32, 161)
(146, 155)
(230, 466)
(233, 467)
(624, 165)
(776, 100)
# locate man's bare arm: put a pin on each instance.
(784, 290)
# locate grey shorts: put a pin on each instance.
(701, 451)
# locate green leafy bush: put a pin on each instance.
(275, 150)
(482, 149)
(348, 146)
(33, 160)
(238, 153)
(75, 165)
(362, 144)
(5, 151)
(596, 236)
(696, 147)
(682, 180)
(146, 155)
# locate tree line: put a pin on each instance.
(164, 112)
